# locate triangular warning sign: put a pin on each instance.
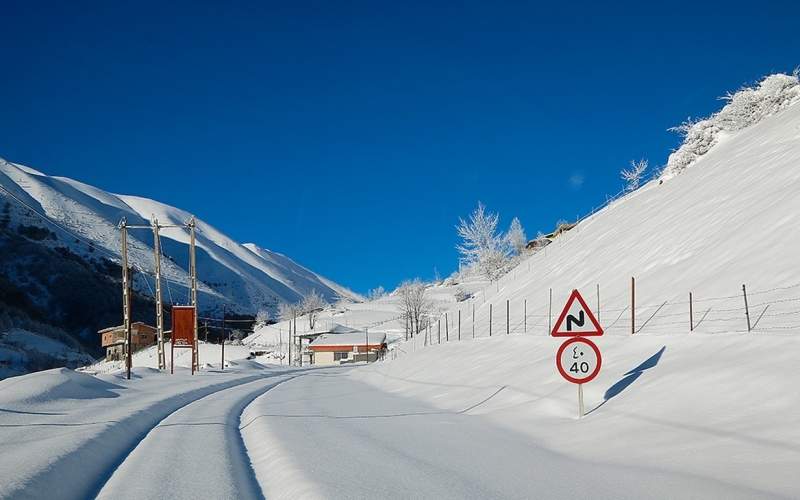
(577, 320)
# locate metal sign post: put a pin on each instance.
(578, 360)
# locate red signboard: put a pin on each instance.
(578, 360)
(576, 320)
(183, 326)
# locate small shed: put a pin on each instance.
(351, 347)
(113, 339)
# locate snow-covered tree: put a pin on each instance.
(478, 233)
(262, 318)
(745, 107)
(516, 238)
(415, 306)
(311, 305)
(376, 293)
(287, 311)
(633, 175)
(481, 246)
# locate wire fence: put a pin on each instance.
(766, 311)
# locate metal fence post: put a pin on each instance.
(746, 309)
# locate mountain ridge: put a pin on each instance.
(243, 277)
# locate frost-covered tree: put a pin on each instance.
(478, 233)
(415, 306)
(745, 107)
(287, 311)
(376, 293)
(311, 305)
(516, 238)
(633, 175)
(262, 318)
(481, 246)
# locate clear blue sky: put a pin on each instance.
(351, 138)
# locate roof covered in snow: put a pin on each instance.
(350, 339)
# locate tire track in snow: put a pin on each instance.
(81, 471)
(196, 451)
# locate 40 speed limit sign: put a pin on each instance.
(578, 360)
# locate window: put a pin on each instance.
(338, 356)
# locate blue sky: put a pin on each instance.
(351, 136)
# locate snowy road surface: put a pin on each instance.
(196, 452)
(420, 427)
(326, 435)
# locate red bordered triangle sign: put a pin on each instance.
(577, 320)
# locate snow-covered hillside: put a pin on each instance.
(727, 220)
(245, 277)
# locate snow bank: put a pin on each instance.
(72, 430)
(48, 385)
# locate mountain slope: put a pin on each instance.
(729, 219)
(84, 220)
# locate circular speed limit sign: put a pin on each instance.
(578, 360)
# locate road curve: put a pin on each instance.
(195, 452)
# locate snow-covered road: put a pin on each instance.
(328, 435)
(460, 420)
(196, 452)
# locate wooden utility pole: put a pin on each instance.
(193, 278)
(162, 363)
(289, 340)
(126, 298)
(294, 336)
(633, 305)
(222, 360)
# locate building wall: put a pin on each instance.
(324, 358)
(115, 353)
(109, 338)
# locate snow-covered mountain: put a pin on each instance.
(84, 220)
